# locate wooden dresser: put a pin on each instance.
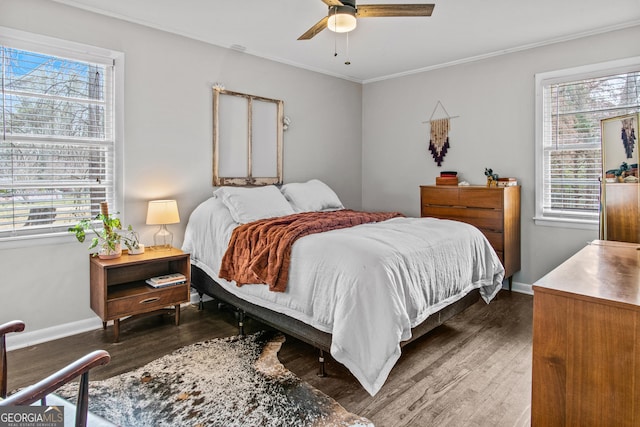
(586, 339)
(494, 210)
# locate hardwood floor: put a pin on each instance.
(475, 370)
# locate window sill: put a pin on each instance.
(583, 224)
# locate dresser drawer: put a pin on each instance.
(495, 238)
(482, 197)
(487, 219)
(440, 196)
(473, 197)
(123, 304)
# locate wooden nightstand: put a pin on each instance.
(118, 287)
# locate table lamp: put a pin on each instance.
(163, 212)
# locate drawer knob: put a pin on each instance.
(149, 300)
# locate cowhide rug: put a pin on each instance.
(236, 381)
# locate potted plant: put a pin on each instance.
(622, 171)
(132, 241)
(107, 239)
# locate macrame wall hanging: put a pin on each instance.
(628, 137)
(439, 136)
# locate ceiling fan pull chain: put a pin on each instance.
(347, 62)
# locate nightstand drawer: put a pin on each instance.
(124, 302)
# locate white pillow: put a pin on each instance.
(313, 195)
(251, 204)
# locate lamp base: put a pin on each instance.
(163, 239)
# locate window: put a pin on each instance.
(247, 139)
(569, 107)
(57, 141)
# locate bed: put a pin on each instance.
(359, 292)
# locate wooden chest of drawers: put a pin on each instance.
(586, 339)
(494, 210)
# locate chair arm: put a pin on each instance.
(13, 326)
(38, 391)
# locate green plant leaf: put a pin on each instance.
(94, 243)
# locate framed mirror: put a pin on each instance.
(620, 194)
(247, 139)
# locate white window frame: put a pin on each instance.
(567, 75)
(58, 47)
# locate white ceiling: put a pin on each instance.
(458, 30)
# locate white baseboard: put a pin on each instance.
(26, 339)
(523, 288)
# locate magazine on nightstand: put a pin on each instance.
(166, 280)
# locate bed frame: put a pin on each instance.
(205, 285)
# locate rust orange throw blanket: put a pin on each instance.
(260, 251)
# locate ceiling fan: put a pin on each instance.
(343, 13)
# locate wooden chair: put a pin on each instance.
(39, 391)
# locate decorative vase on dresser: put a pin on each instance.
(493, 210)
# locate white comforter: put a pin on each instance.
(367, 285)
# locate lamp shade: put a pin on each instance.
(342, 19)
(163, 212)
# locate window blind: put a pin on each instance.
(57, 142)
(572, 161)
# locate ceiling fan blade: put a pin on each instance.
(332, 3)
(311, 32)
(381, 10)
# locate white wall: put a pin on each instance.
(495, 101)
(168, 142)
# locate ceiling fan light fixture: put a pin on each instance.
(342, 19)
